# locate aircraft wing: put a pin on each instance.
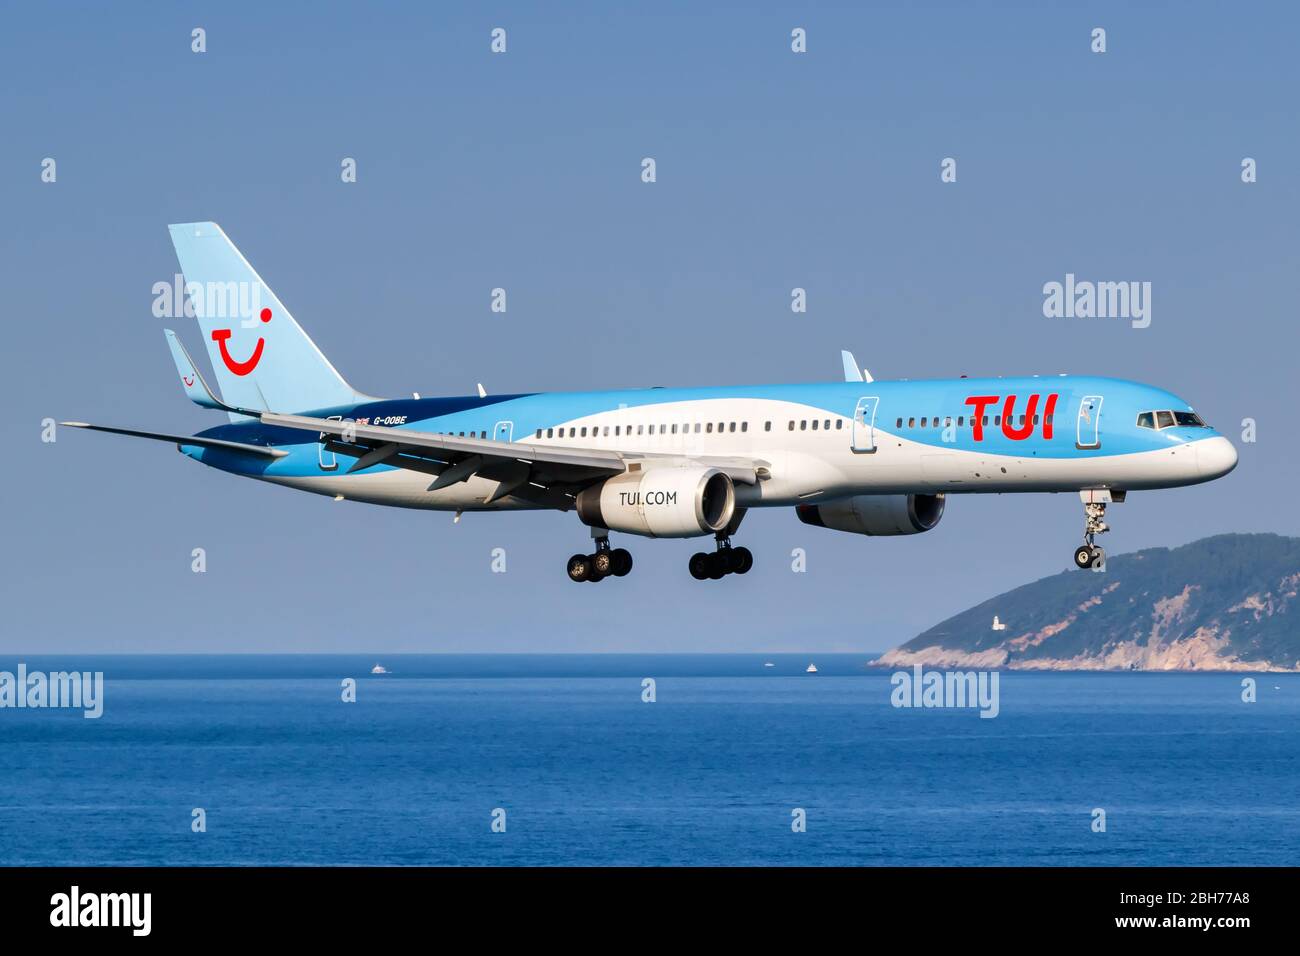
(545, 474)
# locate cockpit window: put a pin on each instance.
(1164, 419)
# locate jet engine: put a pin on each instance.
(876, 514)
(666, 502)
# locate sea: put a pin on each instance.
(642, 760)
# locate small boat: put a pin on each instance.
(379, 669)
(812, 669)
(768, 664)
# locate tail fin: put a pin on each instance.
(262, 358)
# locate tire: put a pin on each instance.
(602, 562)
(699, 565)
(1083, 557)
(717, 565)
(579, 568)
(744, 560)
(622, 562)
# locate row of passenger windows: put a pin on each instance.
(936, 422)
(603, 431)
(707, 428)
(1145, 420)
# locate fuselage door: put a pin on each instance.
(864, 424)
(326, 458)
(504, 431)
(1089, 428)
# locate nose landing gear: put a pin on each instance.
(1088, 555)
(606, 562)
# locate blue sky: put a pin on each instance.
(522, 170)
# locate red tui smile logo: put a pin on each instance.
(188, 380)
(221, 336)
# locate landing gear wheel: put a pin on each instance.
(717, 565)
(1083, 556)
(622, 561)
(579, 568)
(741, 560)
(603, 562)
(699, 565)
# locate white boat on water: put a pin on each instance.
(379, 669)
(812, 669)
(768, 664)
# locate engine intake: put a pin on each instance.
(663, 502)
(876, 514)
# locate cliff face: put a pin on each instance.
(1222, 603)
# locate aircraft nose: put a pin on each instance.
(1215, 457)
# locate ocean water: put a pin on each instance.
(588, 773)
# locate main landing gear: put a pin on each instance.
(726, 560)
(605, 562)
(1088, 555)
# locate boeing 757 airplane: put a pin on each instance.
(862, 456)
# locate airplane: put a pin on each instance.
(862, 456)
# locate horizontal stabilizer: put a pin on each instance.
(179, 440)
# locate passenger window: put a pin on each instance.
(924, 421)
(900, 424)
(584, 432)
(709, 428)
(814, 424)
(792, 424)
(550, 433)
(744, 426)
(827, 425)
(997, 419)
(911, 423)
(803, 425)
(767, 426)
(731, 427)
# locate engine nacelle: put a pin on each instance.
(665, 502)
(876, 514)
